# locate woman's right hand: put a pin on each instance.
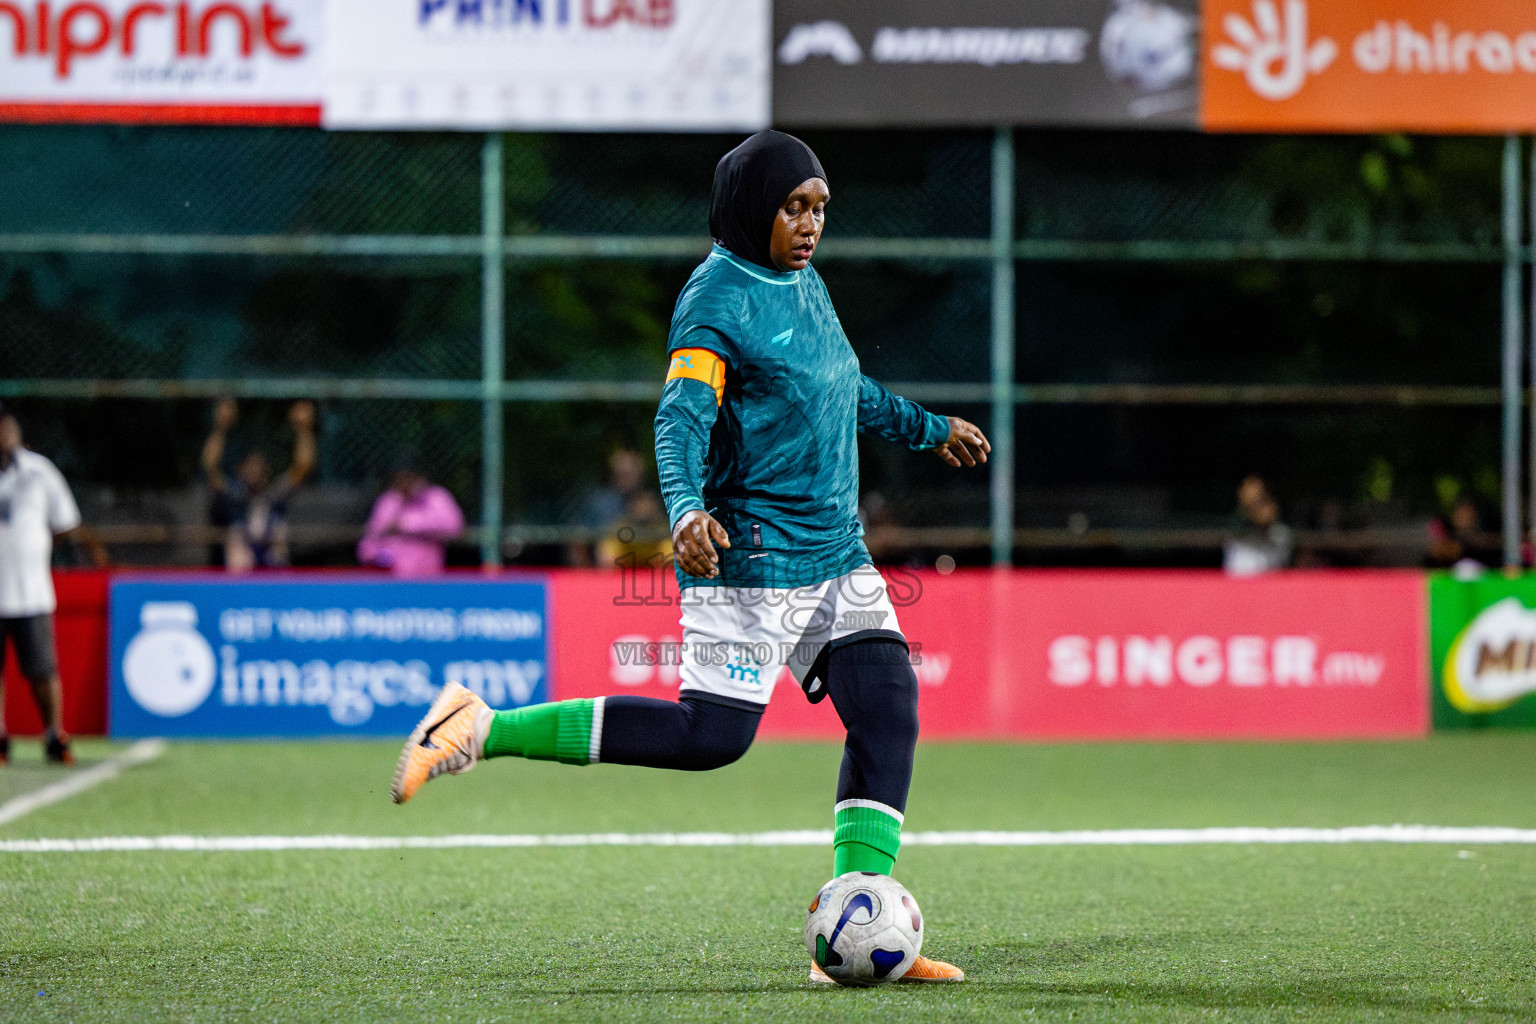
(693, 541)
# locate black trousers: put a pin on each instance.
(32, 636)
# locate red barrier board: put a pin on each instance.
(80, 628)
(1075, 655)
(1198, 655)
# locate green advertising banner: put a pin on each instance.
(1482, 636)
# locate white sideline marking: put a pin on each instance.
(79, 782)
(811, 837)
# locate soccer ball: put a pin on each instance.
(864, 929)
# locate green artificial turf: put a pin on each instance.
(1272, 933)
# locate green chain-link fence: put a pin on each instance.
(1186, 309)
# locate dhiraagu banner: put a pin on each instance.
(289, 656)
(1483, 651)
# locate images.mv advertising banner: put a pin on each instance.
(636, 65)
(1369, 65)
(291, 657)
(849, 63)
(175, 62)
(1483, 650)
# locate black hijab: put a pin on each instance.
(751, 183)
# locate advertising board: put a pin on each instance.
(1369, 65)
(191, 61)
(1078, 655)
(1483, 651)
(1198, 655)
(984, 62)
(634, 65)
(300, 657)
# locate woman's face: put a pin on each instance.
(407, 482)
(797, 225)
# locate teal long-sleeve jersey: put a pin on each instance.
(759, 421)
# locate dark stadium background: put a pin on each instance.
(1333, 304)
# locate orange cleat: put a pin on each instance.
(924, 970)
(447, 741)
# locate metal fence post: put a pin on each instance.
(1532, 313)
(1513, 342)
(492, 334)
(1001, 460)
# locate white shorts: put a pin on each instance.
(736, 640)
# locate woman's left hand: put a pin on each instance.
(966, 446)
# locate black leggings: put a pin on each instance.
(874, 690)
(871, 684)
(691, 735)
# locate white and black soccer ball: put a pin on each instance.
(864, 929)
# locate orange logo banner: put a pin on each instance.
(1369, 65)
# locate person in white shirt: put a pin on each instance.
(1261, 543)
(35, 507)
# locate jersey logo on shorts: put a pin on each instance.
(699, 364)
(782, 339)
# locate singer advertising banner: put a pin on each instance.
(1070, 655)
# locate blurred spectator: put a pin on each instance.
(1457, 541)
(36, 507)
(621, 499)
(250, 507)
(640, 534)
(1261, 543)
(411, 524)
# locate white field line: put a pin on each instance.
(79, 782)
(811, 837)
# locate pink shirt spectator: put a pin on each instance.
(407, 535)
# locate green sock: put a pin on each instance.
(566, 731)
(867, 837)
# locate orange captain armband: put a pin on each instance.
(699, 364)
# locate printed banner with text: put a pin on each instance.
(300, 657)
(192, 61)
(1444, 66)
(635, 65)
(984, 62)
(1483, 650)
(1074, 655)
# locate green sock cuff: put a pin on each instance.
(561, 731)
(848, 857)
(865, 838)
(573, 735)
